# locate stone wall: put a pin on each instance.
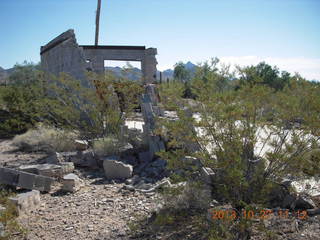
(63, 54)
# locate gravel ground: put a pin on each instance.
(99, 210)
(103, 210)
(10, 156)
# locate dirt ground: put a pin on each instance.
(99, 210)
(103, 209)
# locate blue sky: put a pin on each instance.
(285, 33)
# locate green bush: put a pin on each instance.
(229, 134)
(90, 108)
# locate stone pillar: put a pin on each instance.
(149, 67)
(98, 64)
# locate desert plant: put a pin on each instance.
(109, 146)
(8, 217)
(250, 149)
(46, 138)
(91, 108)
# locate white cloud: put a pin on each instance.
(308, 68)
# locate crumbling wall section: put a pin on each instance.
(63, 54)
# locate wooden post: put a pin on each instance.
(97, 23)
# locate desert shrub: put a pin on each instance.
(108, 146)
(45, 138)
(264, 74)
(22, 99)
(129, 93)
(137, 139)
(170, 94)
(91, 108)
(187, 195)
(249, 148)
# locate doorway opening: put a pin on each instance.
(130, 70)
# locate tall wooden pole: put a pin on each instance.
(97, 23)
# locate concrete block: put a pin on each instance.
(26, 202)
(71, 183)
(43, 184)
(9, 176)
(26, 180)
(117, 170)
(67, 167)
(50, 170)
(55, 158)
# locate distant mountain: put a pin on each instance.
(134, 74)
(166, 74)
(190, 66)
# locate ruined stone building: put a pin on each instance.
(63, 54)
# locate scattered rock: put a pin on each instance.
(26, 202)
(298, 202)
(165, 182)
(81, 145)
(55, 158)
(304, 202)
(133, 180)
(48, 170)
(126, 149)
(85, 159)
(67, 167)
(309, 186)
(71, 183)
(25, 180)
(207, 175)
(313, 212)
(117, 170)
(192, 161)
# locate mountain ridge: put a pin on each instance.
(133, 74)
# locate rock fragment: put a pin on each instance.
(25, 180)
(71, 183)
(26, 202)
(117, 170)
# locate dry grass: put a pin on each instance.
(8, 218)
(108, 146)
(47, 139)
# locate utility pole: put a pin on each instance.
(97, 23)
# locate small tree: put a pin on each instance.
(180, 72)
(62, 101)
(264, 74)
